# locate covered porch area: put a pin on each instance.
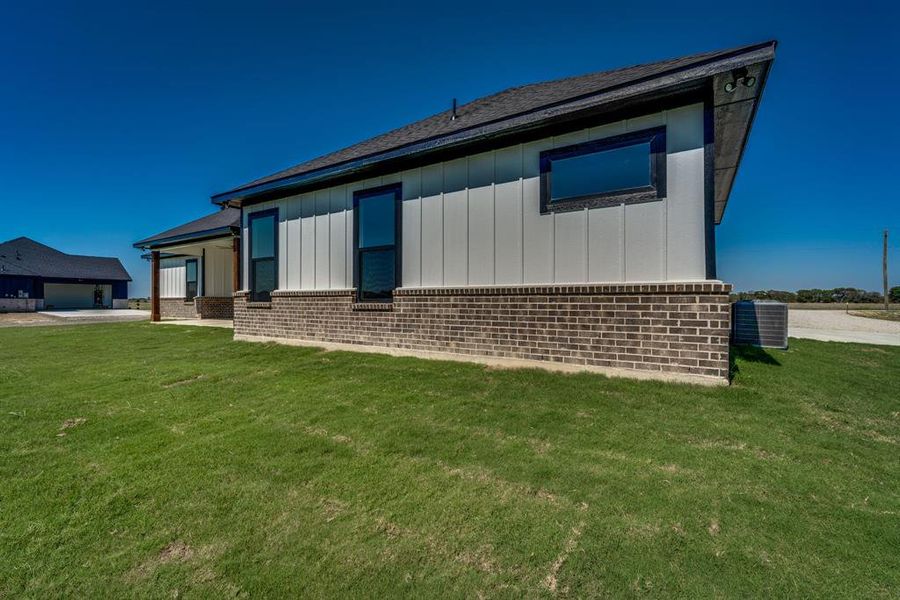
(195, 269)
(195, 281)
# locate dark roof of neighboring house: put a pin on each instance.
(24, 256)
(222, 222)
(514, 107)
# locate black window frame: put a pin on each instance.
(656, 136)
(255, 295)
(397, 190)
(187, 294)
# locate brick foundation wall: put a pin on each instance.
(177, 308)
(201, 307)
(675, 328)
(210, 307)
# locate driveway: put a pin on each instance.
(838, 326)
(99, 314)
(70, 317)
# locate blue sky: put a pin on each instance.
(120, 119)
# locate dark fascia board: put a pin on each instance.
(163, 255)
(103, 280)
(679, 78)
(197, 236)
(728, 182)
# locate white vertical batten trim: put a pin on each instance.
(494, 211)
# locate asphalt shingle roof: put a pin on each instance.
(227, 217)
(498, 107)
(24, 256)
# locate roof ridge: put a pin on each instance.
(699, 56)
(52, 249)
(32, 241)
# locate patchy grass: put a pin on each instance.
(889, 315)
(140, 460)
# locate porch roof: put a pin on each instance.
(223, 223)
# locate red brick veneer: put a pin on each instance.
(177, 308)
(672, 327)
(201, 307)
(214, 307)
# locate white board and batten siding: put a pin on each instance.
(171, 277)
(476, 221)
(215, 271)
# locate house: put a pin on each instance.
(37, 277)
(571, 221)
(195, 267)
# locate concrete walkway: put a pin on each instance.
(838, 326)
(99, 314)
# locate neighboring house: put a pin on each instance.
(571, 221)
(37, 277)
(195, 267)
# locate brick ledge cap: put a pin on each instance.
(687, 287)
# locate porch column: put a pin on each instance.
(236, 264)
(154, 285)
(201, 277)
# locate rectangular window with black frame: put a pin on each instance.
(617, 170)
(377, 256)
(190, 279)
(263, 245)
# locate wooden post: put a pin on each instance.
(154, 285)
(236, 264)
(884, 273)
(201, 276)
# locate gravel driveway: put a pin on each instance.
(71, 317)
(838, 326)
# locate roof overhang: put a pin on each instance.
(733, 115)
(193, 237)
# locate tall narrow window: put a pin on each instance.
(263, 254)
(377, 225)
(190, 279)
(625, 168)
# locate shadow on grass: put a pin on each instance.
(750, 354)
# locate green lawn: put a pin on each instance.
(140, 460)
(890, 315)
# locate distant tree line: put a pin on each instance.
(843, 295)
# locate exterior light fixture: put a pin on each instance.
(740, 77)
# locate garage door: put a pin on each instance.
(77, 295)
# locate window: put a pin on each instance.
(190, 279)
(377, 226)
(263, 244)
(624, 168)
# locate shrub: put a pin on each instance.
(841, 295)
(778, 295)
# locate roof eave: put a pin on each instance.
(197, 236)
(734, 115)
(761, 53)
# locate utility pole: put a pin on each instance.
(884, 273)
